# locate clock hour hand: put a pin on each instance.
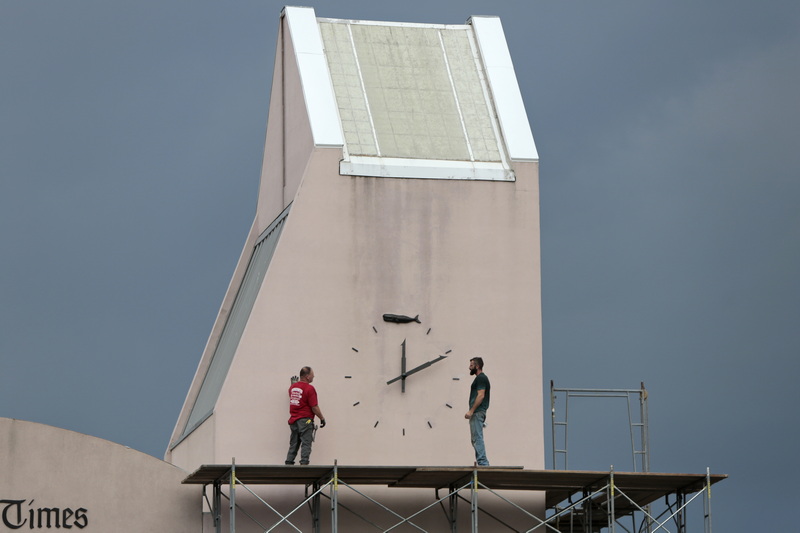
(416, 369)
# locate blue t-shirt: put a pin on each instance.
(481, 382)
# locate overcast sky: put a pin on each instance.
(131, 139)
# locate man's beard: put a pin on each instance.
(473, 371)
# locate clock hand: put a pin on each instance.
(417, 369)
(403, 367)
(425, 365)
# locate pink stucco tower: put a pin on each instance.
(400, 177)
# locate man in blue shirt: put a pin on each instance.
(478, 404)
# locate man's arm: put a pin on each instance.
(476, 403)
(316, 410)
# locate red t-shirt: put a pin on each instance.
(302, 397)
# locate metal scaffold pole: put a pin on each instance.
(233, 496)
(453, 517)
(612, 518)
(644, 427)
(216, 512)
(707, 502)
(314, 503)
(335, 498)
(474, 500)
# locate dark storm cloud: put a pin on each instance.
(130, 148)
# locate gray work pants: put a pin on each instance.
(301, 438)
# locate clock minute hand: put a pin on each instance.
(417, 369)
(425, 365)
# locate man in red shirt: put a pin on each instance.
(303, 406)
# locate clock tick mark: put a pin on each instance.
(375, 330)
(348, 377)
(429, 425)
(448, 405)
(376, 424)
(456, 379)
(447, 352)
(427, 332)
(355, 350)
(356, 404)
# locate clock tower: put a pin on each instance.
(396, 237)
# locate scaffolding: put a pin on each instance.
(575, 501)
(636, 401)
(639, 501)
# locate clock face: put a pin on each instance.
(402, 379)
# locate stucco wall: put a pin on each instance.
(464, 255)
(81, 482)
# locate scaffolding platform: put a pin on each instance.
(570, 496)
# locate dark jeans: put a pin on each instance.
(301, 438)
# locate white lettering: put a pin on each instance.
(295, 396)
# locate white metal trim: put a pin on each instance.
(505, 89)
(498, 134)
(315, 78)
(393, 167)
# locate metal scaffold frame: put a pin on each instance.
(637, 422)
(595, 501)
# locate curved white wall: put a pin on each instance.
(84, 483)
